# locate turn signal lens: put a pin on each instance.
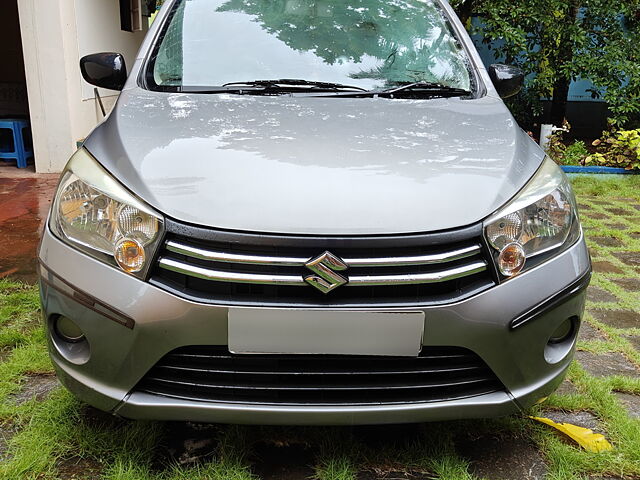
(512, 259)
(132, 219)
(506, 230)
(129, 255)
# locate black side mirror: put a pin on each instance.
(104, 70)
(508, 80)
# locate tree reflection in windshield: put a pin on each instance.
(377, 43)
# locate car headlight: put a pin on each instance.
(93, 212)
(541, 219)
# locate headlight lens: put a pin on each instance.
(540, 219)
(95, 213)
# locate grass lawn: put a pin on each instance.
(52, 435)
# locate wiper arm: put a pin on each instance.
(416, 88)
(283, 83)
(426, 87)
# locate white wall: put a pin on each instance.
(55, 34)
(98, 24)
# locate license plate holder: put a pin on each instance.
(279, 331)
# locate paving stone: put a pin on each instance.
(607, 241)
(636, 206)
(588, 333)
(596, 215)
(76, 468)
(580, 419)
(37, 386)
(503, 458)
(623, 212)
(7, 431)
(618, 226)
(607, 364)
(584, 206)
(635, 341)
(5, 354)
(635, 235)
(597, 294)
(602, 266)
(631, 284)
(601, 202)
(618, 318)
(566, 388)
(393, 475)
(629, 258)
(630, 402)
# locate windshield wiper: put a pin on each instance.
(415, 89)
(293, 85)
(273, 87)
(427, 87)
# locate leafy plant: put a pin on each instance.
(563, 154)
(618, 149)
(574, 154)
(559, 41)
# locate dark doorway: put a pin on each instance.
(13, 87)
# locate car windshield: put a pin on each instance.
(368, 44)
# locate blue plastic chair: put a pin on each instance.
(17, 150)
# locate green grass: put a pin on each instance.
(60, 427)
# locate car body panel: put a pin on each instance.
(121, 356)
(311, 165)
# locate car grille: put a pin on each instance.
(249, 269)
(212, 374)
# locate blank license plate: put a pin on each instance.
(325, 332)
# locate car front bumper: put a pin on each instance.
(130, 325)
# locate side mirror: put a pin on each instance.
(104, 70)
(508, 80)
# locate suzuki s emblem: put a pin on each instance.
(326, 268)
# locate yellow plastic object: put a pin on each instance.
(591, 442)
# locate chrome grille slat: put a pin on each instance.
(417, 278)
(231, 277)
(431, 259)
(298, 281)
(252, 269)
(224, 257)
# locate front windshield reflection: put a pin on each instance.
(372, 44)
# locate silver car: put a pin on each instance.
(311, 212)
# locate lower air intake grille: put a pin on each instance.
(212, 374)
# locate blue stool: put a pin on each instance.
(18, 149)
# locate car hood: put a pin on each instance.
(316, 165)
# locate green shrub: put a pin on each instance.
(618, 149)
(574, 154)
